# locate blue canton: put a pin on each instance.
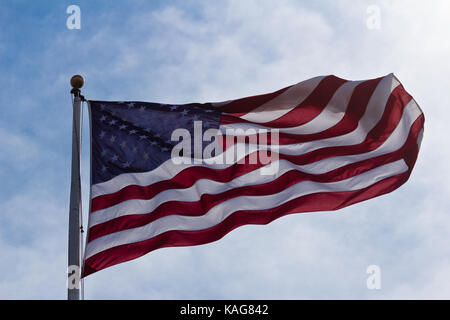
(136, 136)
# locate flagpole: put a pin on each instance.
(74, 266)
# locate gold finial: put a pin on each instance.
(77, 81)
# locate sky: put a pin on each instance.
(200, 51)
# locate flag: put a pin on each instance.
(167, 175)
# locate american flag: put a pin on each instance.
(330, 143)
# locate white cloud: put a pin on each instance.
(34, 255)
(222, 50)
(17, 147)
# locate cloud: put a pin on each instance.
(33, 259)
(214, 51)
(17, 147)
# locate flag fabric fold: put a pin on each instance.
(179, 175)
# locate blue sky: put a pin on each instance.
(199, 51)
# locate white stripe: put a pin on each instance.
(394, 142)
(335, 110)
(168, 169)
(220, 212)
(165, 171)
(138, 206)
(368, 121)
(193, 193)
(283, 103)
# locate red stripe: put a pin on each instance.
(207, 201)
(398, 97)
(305, 111)
(374, 139)
(309, 203)
(355, 109)
(240, 107)
(183, 179)
(189, 176)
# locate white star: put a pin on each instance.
(172, 108)
(103, 118)
(102, 134)
(112, 139)
(184, 112)
(104, 168)
(153, 143)
(123, 144)
(104, 152)
(122, 127)
(115, 157)
(112, 122)
(130, 105)
(157, 135)
(102, 107)
(132, 131)
(142, 109)
(134, 150)
(126, 164)
(146, 156)
(164, 149)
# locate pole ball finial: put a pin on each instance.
(77, 81)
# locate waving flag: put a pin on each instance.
(178, 175)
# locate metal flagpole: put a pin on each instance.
(74, 266)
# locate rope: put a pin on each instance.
(81, 208)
